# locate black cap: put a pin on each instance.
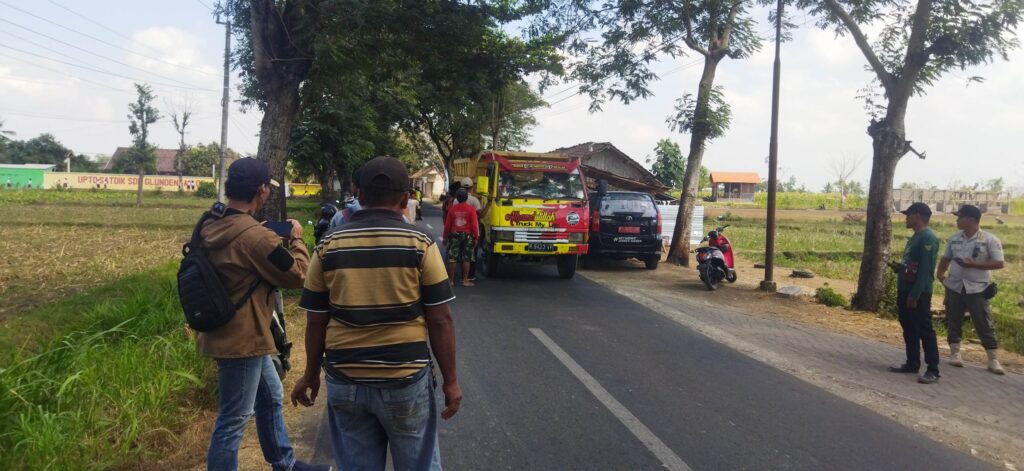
(246, 175)
(918, 208)
(384, 174)
(969, 211)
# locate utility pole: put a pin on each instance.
(768, 284)
(221, 168)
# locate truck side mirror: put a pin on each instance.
(482, 186)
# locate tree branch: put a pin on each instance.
(690, 42)
(723, 46)
(887, 79)
(916, 56)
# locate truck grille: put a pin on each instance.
(538, 236)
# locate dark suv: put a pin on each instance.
(625, 224)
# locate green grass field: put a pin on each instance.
(832, 249)
(98, 371)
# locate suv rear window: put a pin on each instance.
(613, 203)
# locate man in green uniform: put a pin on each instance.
(914, 295)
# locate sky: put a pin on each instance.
(970, 132)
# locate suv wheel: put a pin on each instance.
(652, 262)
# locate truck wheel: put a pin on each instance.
(491, 261)
(567, 266)
(652, 262)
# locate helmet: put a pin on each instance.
(713, 235)
(328, 211)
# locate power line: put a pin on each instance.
(125, 64)
(107, 72)
(24, 114)
(90, 20)
(201, 2)
(103, 41)
(62, 72)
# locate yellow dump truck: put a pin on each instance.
(535, 208)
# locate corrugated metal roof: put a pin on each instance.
(735, 177)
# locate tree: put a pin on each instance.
(512, 116)
(635, 34)
(919, 42)
(45, 149)
(278, 40)
(995, 185)
(4, 139)
(181, 114)
(141, 114)
(843, 168)
(669, 166)
(198, 160)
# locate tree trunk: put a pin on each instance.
(889, 145)
(142, 176)
(326, 178)
(680, 251)
(281, 112)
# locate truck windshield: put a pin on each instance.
(547, 185)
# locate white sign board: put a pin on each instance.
(669, 213)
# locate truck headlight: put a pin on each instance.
(576, 237)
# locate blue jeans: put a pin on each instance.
(365, 420)
(249, 386)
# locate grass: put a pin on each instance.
(111, 383)
(832, 249)
(96, 368)
(794, 200)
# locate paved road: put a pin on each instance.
(563, 375)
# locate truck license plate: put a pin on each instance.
(629, 230)
(539, 247)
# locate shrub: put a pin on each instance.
(206, 190)
(890, 304)
(829, 297)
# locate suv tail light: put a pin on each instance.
(595, 221)
(659, 224)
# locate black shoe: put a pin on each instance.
(300, 466)
(904, 368)
(929, 377)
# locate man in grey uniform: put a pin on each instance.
(971, 255)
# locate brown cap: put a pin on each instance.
(384, 174)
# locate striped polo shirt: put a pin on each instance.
(374, 275)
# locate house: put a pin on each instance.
(430, 181)
(604, 161)
(734, 186)
(165, 159)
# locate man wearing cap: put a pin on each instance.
(251, 260)
(914, 295)
(971, 255)
(376, 297)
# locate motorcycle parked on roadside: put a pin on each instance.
(715, 261)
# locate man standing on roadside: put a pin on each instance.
(376, 299)
(914, 295)
(251, 261)
(973, 254)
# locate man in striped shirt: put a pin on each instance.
(376, 298)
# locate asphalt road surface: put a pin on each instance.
(564, 374)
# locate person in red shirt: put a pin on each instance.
(460, 235)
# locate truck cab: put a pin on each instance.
(535, 209)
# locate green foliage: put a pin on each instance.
(512, 116)
(669, 165)
(199, 159)
(108, 389)
(710, 120)
(890, 300)
(829, 297)
(140, 157)
(206, 190)
(43, 149)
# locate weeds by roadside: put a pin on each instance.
(110, 388)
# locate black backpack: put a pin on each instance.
(204, 299)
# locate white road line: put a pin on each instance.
(668, 457)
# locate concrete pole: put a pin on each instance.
(768, 284)
(225, 100)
